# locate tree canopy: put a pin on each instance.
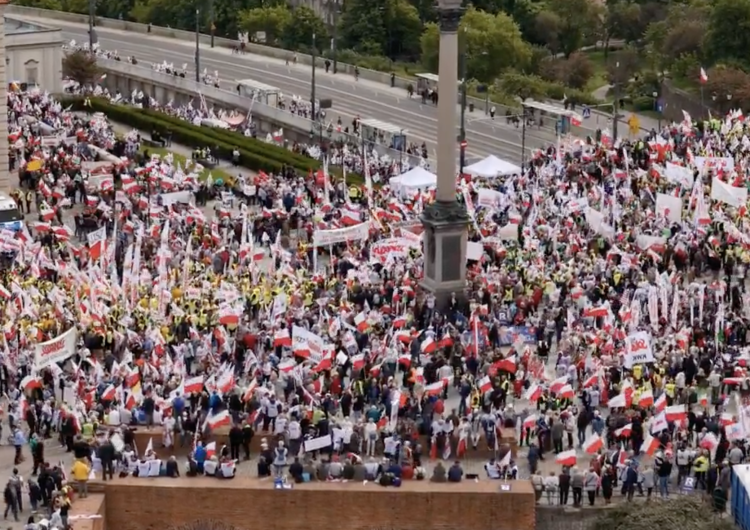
(80, 66)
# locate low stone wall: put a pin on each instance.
(145, 504)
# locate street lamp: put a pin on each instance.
(312, 84)
(616, 103)
(462, 133)
(658, 108)
(334, 44)
(213, 20)
(92, 15)
(197, 45)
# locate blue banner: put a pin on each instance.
(511, 334)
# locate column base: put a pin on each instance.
(445, 238)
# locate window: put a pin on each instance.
(32, 71)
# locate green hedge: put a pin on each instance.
(254, 154)
(191, 135)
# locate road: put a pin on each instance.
(366, 99)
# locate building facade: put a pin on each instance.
(33, 54)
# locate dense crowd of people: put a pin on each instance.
(604, 317)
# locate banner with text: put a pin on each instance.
(55, 350)
(638, 349)
(324, 238)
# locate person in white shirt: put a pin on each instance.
(168, 435)
(270, 409)
(294, 436)
(371, 437)
(280, 425)
(492, 471)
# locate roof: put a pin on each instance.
(429, 77)
(551, 109)
(256, 85)
(383, 126)
(14, 26)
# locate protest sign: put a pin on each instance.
(55, 350)
(638, 349)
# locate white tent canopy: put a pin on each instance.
(492, 167)
(413, 180)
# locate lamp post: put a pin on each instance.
(92, 14)
(212, 15)
(334, 43)
(312, 83)
(197, 46)
(658, 109)
(523, 135)
(462, 133)
(615, 105)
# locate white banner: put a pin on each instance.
(669, 207)
(398, 247)
(489, 198)
(307, 341)
(97, 236)
(578, 204)
(316, 444)
(638, 349)
(725, 163)
(645, 242)
(55, 350)
(680, 175)
(324, 238)
(183, 197)
(723, 192)
(596, 221)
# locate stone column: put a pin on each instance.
(7, 182)
(446, 220)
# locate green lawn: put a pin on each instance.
(599, 79)
(179, 159)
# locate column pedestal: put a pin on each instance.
(445, 238)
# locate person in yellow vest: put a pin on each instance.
(80, 472)
(700, 469)
(669, 389)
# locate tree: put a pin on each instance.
(171, 13)
(272, 21)
(728, 35)
(80, 66)
(685, 512)
(680, 34)
(522, 86)
(299, 30)
(623, 20)
(403, 30)
(575, 71)
(492, 44)
(40, 4)
(622, 66)
(579, 20)
(547, 28)
(385, 27)
(727, 87)
(114, 8)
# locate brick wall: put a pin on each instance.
(150, 504)
(557, 518)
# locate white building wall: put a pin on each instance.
(35, 57)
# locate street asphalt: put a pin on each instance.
(351, 98)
